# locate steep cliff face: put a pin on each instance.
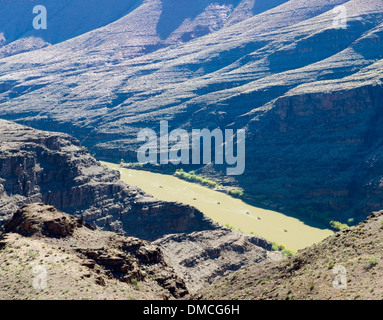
(323, 151)
(53, 168)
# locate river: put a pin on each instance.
(271, 225)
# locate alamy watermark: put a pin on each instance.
(340, 20)
(39, 281)
(175, 147)
(340, 280)
(40, 20)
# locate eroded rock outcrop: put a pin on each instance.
(106, 256)
(201, 257)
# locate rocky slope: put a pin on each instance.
(133, 27)
(347, 266)
(46, 254)
(307, 93)
(201, 257)
(53, 168)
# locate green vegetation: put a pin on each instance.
(287, 252)
(132, 165)
(236, 229)
(236, 193)
(322, 217)
(312, 286)
(135, 283)
(338, 225)
(277, 247)
(282, 249)
(371, 262)
(192, 177)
